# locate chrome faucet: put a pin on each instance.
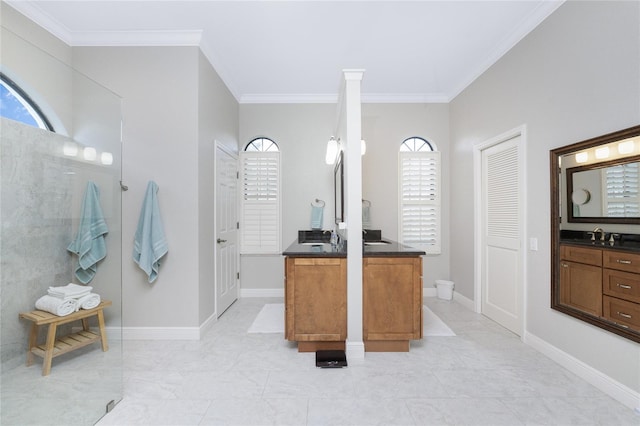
(595, 231)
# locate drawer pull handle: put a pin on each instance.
(626, 287)
(621, 325)
(624, 262)
(623, 315)
(564, 265)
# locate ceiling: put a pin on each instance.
(295, 51)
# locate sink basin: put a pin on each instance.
(376, 243)
(315, 244)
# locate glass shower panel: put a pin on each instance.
(43, 180)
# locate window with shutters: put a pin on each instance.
(621, 190)
(260, 200)
(419, 195)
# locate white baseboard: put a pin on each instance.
(606, 384)
(208, 324)
(429, 292)
(354, 350)
(261, 292)
(464, 301)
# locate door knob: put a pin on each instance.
(221, 241)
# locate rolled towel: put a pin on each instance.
(69, 290)
(89, 301)
(56, 306)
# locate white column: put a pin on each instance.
(353, 200)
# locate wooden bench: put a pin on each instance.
(55, 347)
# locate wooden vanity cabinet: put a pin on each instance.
(392, 303)
(581, 278)
(316, 302)
(621, 286)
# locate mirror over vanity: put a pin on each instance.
(595, 231)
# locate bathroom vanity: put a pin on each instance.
(602, 279)
(316, 295)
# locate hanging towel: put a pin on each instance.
(316, 216)
(69, 290)
(366, 214)
(89, 301)
(150, 243)
(57, 306)
(89, 243)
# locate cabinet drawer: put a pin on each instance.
(622, 312)
(585, 255)
(621, 261)
(624, 285)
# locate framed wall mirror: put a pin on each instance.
(595, 231)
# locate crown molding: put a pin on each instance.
(137, 38)
(277, 98)
(366, 98)
(41, 18)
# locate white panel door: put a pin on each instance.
(502, 265)
(226, 230)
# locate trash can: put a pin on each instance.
(445, 289)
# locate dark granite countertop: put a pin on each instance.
(393, 249)
(633, 246)
(621, 242)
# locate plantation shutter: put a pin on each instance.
(420, 196)
(260, 203)
(621, 187)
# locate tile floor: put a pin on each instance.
(483, 376)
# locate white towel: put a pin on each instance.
(69, 290)
(89, 301)
(56, 306)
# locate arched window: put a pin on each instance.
(419, 195)
(260, 201)
(16, 105)
(261, 145)
(416, 144)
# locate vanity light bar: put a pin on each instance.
(626, 147)
(582, 157)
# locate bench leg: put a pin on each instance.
(48, 354)
(103, 332)
(33, 339)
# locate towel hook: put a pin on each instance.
(123, 186)
(319, 202)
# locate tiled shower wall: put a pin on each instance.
(37, 197)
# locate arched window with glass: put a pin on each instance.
(419, 216)
(15, 104)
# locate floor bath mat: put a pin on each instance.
(271, 320)
(433, 325)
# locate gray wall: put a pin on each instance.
(575, 77)
(175, 107)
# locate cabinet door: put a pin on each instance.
(316, 293)
(581, 287)
(392, 298)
